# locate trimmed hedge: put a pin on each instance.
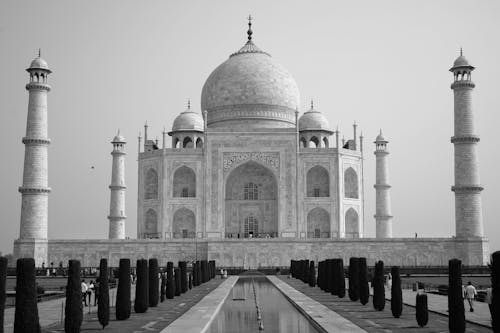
(194, 273)
(456, 318)
(26, 315)
(396, 293)
(141, 287)
(103, 294)
(177, 279)
(422, 312)
(154, 282)
(364, 287)
(3, 281)
(378, 287)
(353, 279)
(73, 312)
(170, 292)
(184, 282)
(495, 284)
(163, 288)
(329, 275)
(340, 279)
(123, 306)
(190, 281)
(312, 274)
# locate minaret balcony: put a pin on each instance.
(34, 190)
(35, 141)
(467, 188)
(467, 84)
(465, 139)
(37, 86)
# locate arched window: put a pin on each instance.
(199, 143)
(251, 191)
(318, 223)
(351, 184)
(351, 223)
(151, 185)
(314, 142)
(251, 226)
(184, 223)
(318, 182)
(184, 183)
(325, 142)
(151, 224)
(187, 143)
(303, 142)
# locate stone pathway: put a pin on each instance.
(377, 321)
(154, 320)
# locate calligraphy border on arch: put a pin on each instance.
(233, 159)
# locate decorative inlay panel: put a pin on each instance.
(270, 159)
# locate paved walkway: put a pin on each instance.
(330, 321)
(52, 312)
(154, 320)
(371, 320)
(439, 304)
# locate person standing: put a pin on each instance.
(84, 292)
(470, 294)
(90, 290)
(488, 299)
(96, 292)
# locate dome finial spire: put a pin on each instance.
(189, 104)
(249, 32)
(461, 51)
(39, 52)
(312, 104)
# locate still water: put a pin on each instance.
(239, 313)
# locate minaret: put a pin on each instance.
(117, 202)
(468, 211)
(35, 190)
(383, 217)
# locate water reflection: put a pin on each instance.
(239, 314)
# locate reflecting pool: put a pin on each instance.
(239, 312)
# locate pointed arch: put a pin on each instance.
(199, 143)
(303, 142)
(326, 144)
(314, 142)
(318, 182)
(151, 224)
(151, 185)
(318, 223)
(351, 223)
(184, 183)
(351, 188)
(187, 142)
(184, 223)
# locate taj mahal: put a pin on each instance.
(249, 181)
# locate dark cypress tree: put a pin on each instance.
(163, 288)
(353, 279)
(154, 282)
(396, 293)
(103, 294)
(364, 287)
(190, 281)
(194, 274)
(3, 281)
(141, 287)
(378, 287)
(26, 315)
(204, 271)
(340, 279)
(184, 282)
(335, 277)
(312, 274)
(329, 275)
(73, 312)
(177, 279)
(422, 313)
(495, 284)
(305, 271)
(320, 275)
(456, 318)
(198, 273)
(123, 306)
(170, 280)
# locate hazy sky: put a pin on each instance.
(117, 64)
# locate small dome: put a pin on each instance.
(461, 62)
(380, 137)
(118, 138)
(188, 121)
(313, 120)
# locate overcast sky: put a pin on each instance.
(116, 64)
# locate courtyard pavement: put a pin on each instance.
(371, 320)
(154, 320)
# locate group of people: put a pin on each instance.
(88, 290)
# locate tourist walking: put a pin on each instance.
(488, 298)
(470, 294)
(90, 291)
(96, 292)
(84, 292)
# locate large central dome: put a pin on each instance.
(250, 90)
